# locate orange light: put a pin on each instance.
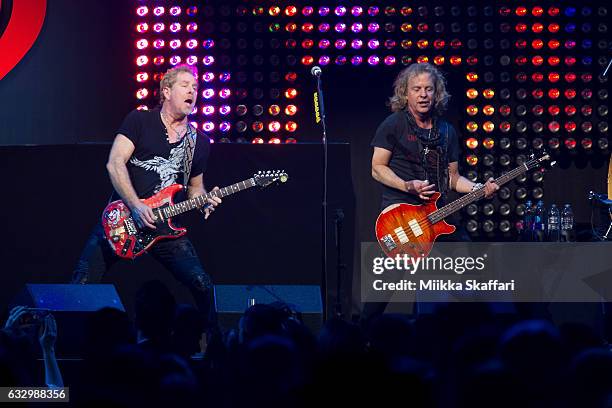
(291, 27)
(553, 27)
(472, 110)
(455, 60)
(554, 44)
(472, 76)
(274, 110)
(488, 126)
(521, 11)
(472, 126)
(307, 60)
(537, 60)
(488, 143)
(537, 44)
(472, 93)
(290, 11)
(472, 160)
(406, 27)
(421, 59)
(439, 60)
(488, 110)
(553, 93)
(274, 11)
(423, 43)
(406, 44)
(537, 11)
(274, 126)
(290, 110)
(488, 93)
(274, 140)
(554, 60)
(291, 93)
(537, 27)
(291, 126)
(257, 140)
(471, 143)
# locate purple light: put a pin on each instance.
(225, 127)
(324, 60)
(191, 44)
(192, 60)
(357, 11)
(225, 76)
(373, 44)
(324, 27)
(356, 60)
(158, 11)
(208, 77)
(340, 27)
(175, 27)
(340, 60)
(225, 93)
(208, 60)
(373, 27)
(323, 11)
(307, 11)
(208, 110)
(192, 27)
(390, 44)
(142, 44)
(208, 93)
(356, 27)
(373, 60)
(208, 126)
(225, 110)
(192, 11)
(324, 44)
(174, 44)
(340, 44)
(175, 11)
(175, 60)
(373, 11)
(194, 110)
(389, 60)
(356, 44)
(208, 44)
(142, 11)
(340, 11)
(159, 27)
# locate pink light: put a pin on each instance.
(191, 44)
(175, 60)
(373, 11)
(373, 60)
(159, 27)
(142, 27)
(192, 60)
(142, 60)
(357, 11)
(324, 60)
(324, 27)
(175, 27)
(324, 44)
(208, 110)
(225, 76)
(340, 44)
(208, 93)
(142, 93)
(175, 11)
(340, 11)
(356, 60)
(225, 93)
(356, 44)
(340, 27)
(208, 43)
(357, 27)
(208, 126)
(159, 43)
(142, 44)
(389, 60)
(373, 44)
(142, 11)
(142, 108)
(208, 60)
(174, 44)
(194, 124)
(208, 77)
(158, 11)
(373, 27)
(192, 27)
(225, 127)
(307, 11)
(225, 110)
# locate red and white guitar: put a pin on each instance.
(412, 229)
(128, 240)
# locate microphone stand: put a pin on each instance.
(324, 197)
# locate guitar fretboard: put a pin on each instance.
(200, 201)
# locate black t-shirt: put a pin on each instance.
(408, 160)
(155, 163)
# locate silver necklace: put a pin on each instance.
(179, 137)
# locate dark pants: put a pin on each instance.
(176, 255)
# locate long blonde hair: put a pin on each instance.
(398, 101)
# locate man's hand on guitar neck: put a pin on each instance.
(210, 207)
(490, 188)
(143, 215)
(420, 188)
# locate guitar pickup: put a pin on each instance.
(389, 243)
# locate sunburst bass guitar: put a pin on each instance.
(407, 229)
(129, 240)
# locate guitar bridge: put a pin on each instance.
(389, 242)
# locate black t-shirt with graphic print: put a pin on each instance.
(155, 163)
(407, 158)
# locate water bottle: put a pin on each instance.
(539, 221)
(553, 224)
(567, 223)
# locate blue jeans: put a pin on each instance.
(176, 255)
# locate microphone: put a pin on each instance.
(316, 71)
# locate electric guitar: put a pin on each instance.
(129, 240)
(412, 229)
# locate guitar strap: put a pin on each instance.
(190, 144)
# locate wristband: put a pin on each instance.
(476, 186)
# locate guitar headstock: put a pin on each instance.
(542, 160)
(265, 178)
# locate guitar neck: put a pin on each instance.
(467, 199)
(200, 201)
